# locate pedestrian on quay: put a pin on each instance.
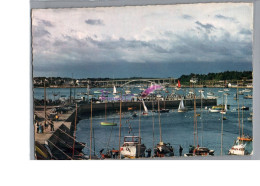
(148, 153)
(52, 126)
(40, 129)
(180, 150)
(37, 126)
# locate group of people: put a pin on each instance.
(40, 128)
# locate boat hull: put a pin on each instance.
(108, 124)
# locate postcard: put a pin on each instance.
(143, 82)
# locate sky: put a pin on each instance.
(142, 41)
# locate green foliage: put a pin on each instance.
(227, 75)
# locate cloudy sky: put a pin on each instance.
(147, 41)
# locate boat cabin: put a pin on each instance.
(132, 139)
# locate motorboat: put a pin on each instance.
(199, 151)
(240, 146)
(132, 147)
(162, 149)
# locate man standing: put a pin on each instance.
(180, 150)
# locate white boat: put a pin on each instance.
(220, 90)
(212, 97)
(246, 90)
(182, 108)
(114, 90)
(128, 91)
(240, 146)
(238, 150)
(226, 89)
(132, 147)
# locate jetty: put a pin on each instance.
(135, 105)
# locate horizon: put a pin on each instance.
(141, 77)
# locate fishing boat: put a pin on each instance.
(240, 146)
(132, 147)
(182, 108)
(226, 89)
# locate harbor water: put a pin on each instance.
(177, 128)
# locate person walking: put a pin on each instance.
(180, 150)
(52, 126)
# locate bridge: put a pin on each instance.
(129, 82)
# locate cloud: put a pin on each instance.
(245, 31)
(38, 31)
(46, 23)
(208, 27)
(219, 16)
(94, 22)
(188, 17)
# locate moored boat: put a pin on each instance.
(132, 147)
(108, 124)
(182, 108)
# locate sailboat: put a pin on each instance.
(132, 146)
(178, 86)
(224, 111)
(162, 149)
(198, 151)
(105, 123)
(182, 108)
(145, 109)
(114, 90)
(239, 147)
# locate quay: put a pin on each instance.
(60, 141)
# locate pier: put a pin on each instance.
(135, 105)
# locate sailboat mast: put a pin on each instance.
(238, 113)
(90, 145)
(74, 135)
(120, 125)
(140, 123)
(222, 118)
(159, 121)
(153, 122)
(201, 118)
(44, 101)
(243, 122)
(105, 111)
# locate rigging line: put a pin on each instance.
(63, 142)
(60, 150)
(76, 140)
